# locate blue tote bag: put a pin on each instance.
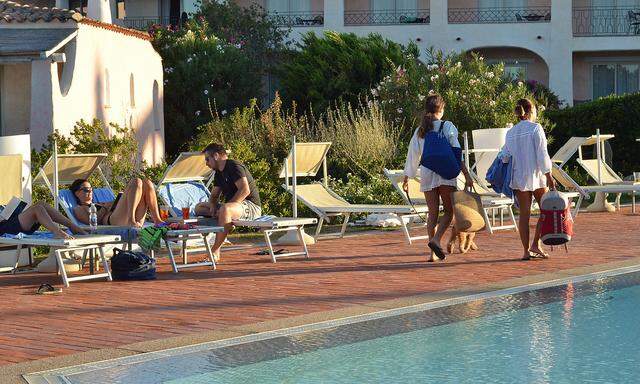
(439, 156)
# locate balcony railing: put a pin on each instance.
(499, 15)
(298, 19)
(606, 21)
(143, 23)
(394, 16)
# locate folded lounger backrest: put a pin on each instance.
(186, 194)
(490, 140)
(607, 175)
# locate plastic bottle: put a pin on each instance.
(93, 218)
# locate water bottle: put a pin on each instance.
(93, 218)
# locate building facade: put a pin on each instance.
(581, 49)
(58, 67)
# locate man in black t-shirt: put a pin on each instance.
(234, 182)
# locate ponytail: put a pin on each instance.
(523, 109)
(432, 105)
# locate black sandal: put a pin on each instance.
(437, 250)
(47, 289)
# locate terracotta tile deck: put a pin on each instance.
(250, 289)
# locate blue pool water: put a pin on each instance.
(585, 332)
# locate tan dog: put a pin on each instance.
(464, 239)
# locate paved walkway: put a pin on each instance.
(249, 289)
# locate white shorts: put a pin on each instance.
(430, 180)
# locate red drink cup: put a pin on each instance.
(185, 212)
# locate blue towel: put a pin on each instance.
(499, 175)
(35, 235)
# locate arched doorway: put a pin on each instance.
(519, 63)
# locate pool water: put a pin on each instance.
(584, 332)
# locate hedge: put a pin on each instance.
(617, 115)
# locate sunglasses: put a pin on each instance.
(86, 190)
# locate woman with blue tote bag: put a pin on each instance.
(434, 151)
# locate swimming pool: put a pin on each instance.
(576, 330)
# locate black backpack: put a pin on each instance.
(129, 265)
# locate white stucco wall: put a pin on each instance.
(99, 50)
(15, 98)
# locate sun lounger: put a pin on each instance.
(607, 179)
(185, 183)
(83, 243)
(583, 191)
(490, 200)
(326, 203)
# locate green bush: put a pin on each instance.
(477, 95)
(363, 143)
(338, 66)
(121, 164)
(618, 115)
(200, 69)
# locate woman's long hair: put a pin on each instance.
(523, 109)
(432, 105)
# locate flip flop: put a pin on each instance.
(538, 255)
(266, 252)
(437, 250)
(47, 289)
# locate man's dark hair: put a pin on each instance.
(214, 148)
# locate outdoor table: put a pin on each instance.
(88, 244)
(184, 235)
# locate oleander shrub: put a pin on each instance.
(477, 95)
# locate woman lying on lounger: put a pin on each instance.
(29, 220)
(129, 209)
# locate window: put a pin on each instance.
(286, 6)
(515, 70)
(615, 78)
(1, 123)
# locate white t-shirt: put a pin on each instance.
(429, 179)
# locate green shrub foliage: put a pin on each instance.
(338, 66)
(618, 115)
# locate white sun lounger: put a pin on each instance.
(607, 179)
(81, 243)
(185, 183)
(326, 203)
(490, 200)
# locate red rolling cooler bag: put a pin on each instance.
(555, 217)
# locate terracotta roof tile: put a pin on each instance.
(11, 12)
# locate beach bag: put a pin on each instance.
(439, 156)
(129, 265)
(468, 211)
(556, 223)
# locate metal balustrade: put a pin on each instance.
(298, 19)
(144, 23)
(606, 21)
(499, 15)
(394, 16)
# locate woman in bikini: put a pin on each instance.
(130, 209)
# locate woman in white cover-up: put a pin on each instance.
(526, 146)
(434, 186)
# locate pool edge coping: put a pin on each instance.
(38, 371)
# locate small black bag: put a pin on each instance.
(129, 265)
